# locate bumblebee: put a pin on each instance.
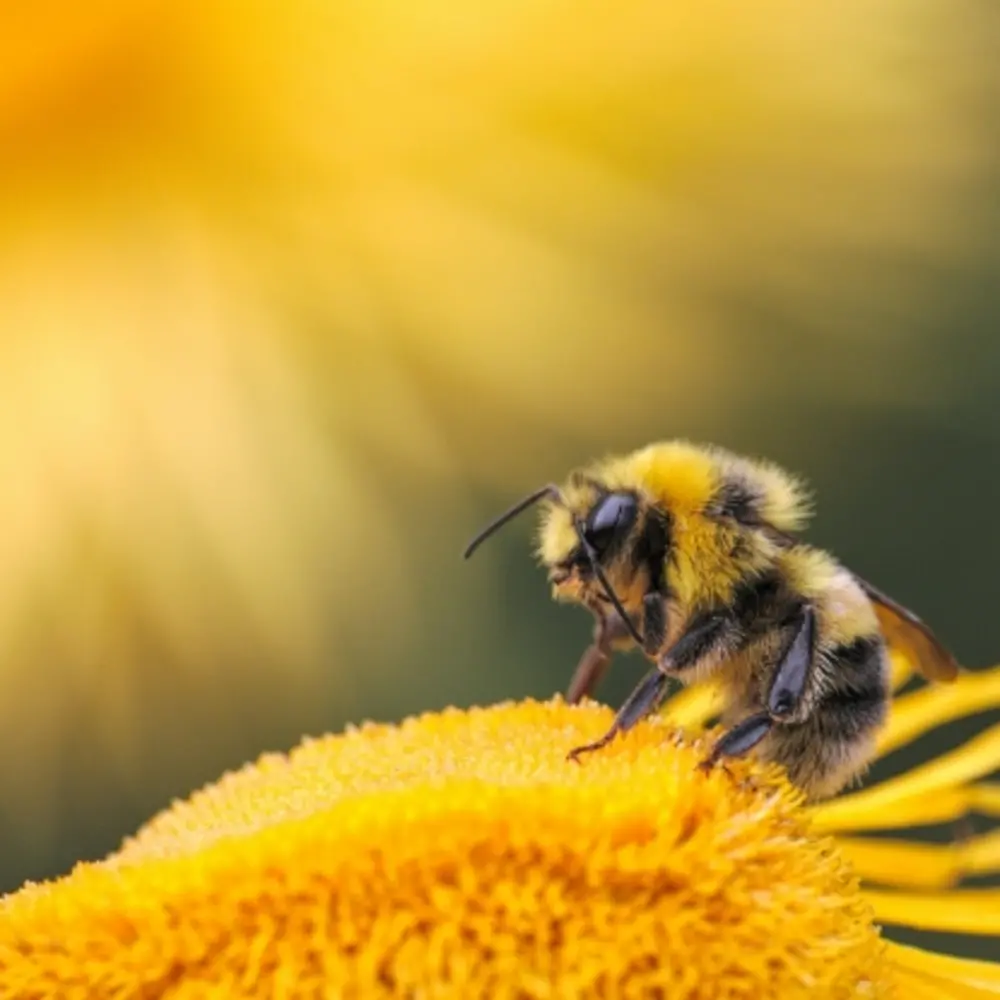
(693, 554)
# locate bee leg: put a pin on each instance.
(589, 671)
(743, 737)
(783, 697)
(790, 678)
(705, 635)
(654, 622)
(643, 700)
(595, 659)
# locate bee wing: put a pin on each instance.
(904, 631)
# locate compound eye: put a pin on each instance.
(612, 516)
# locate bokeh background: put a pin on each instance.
(294, 295)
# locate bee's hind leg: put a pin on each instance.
(608, 630)
(643, 700)
(742, 738)
(789, 680)
(784, 694)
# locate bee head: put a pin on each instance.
(587, 543)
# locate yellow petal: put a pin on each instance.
(902, 669)
(986, 799)
(984, 976)
(966, 911)
(692, 707)
(907, 864)
(924, 986)
(914, 714)
(951, 804)
(927, 786)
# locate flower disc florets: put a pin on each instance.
(460, 855)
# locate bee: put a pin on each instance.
(693, 555)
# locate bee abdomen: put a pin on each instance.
(837, 741)
(854, 689)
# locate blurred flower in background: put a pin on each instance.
(273, 275)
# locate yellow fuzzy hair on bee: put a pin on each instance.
(686, 477)
(692, 483)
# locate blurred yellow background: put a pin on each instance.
(292, 295)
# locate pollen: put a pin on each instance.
(459, 854)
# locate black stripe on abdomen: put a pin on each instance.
(856, 690)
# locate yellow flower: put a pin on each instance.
(460, 855)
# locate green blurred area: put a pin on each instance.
(744, 291)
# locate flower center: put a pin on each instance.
(460, 854)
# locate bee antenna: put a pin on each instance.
(606, 586)
(550, 491)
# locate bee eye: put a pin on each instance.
(610, 518)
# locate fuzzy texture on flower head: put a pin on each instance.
(459, 854)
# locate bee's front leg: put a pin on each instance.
(702, 636)
(643, 700)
